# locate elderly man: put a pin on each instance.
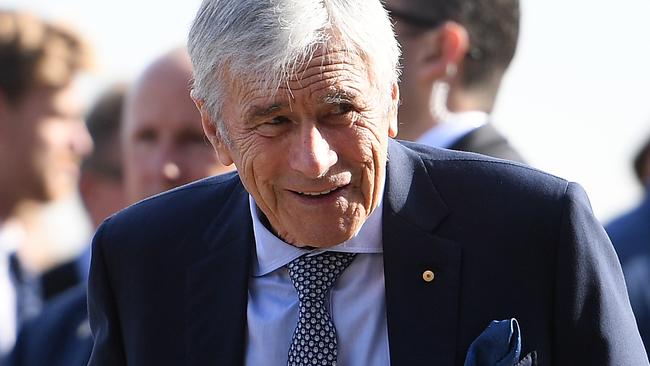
(334, 244)
(455, 54)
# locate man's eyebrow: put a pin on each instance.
(256, 112)
(339, 96)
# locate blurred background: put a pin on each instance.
(575, 102)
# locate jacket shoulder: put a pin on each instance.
(174, 221)
(209, 193)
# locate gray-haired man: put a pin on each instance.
(334, 244)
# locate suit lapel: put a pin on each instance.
(217, 287)
(422, 316)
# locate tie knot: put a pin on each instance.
(313, 276)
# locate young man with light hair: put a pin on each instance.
(42, 141)
(333, 244)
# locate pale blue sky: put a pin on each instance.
(576, 100)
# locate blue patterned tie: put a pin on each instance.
(314, 340)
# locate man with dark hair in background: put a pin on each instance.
(42, 141)
(101, 184)
(455, 53)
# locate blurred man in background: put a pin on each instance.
(163, 146)
(455, 53)
(42, 141)
(630, 234)
(101, 184)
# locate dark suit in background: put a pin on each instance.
(487, 140)
(630, 234)
(169, 276)
(637, 276)
(59, 336)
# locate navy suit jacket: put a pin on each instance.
(169, 275)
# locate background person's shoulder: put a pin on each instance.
(470, 175)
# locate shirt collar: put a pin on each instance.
(12, 234)
(273, 253)
(455, 126)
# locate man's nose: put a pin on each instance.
(312, 155)
(170, 171)
(169, 166)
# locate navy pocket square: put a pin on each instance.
(499, 345)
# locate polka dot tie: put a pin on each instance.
(314, 340)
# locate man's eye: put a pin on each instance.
(278, 120)
(274, 126)
(343, 108)
(342, 114)
(146, 135)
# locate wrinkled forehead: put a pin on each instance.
(329, 68)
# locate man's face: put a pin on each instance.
(44, 141)
(413, 85)
(313, 156)
(163, 142)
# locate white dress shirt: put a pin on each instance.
(356, 302)
(453, 128)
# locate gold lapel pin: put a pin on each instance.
(428, 276)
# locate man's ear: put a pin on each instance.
(212, 132)
(392, 118)
(441, 48)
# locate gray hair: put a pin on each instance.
(267, 41)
